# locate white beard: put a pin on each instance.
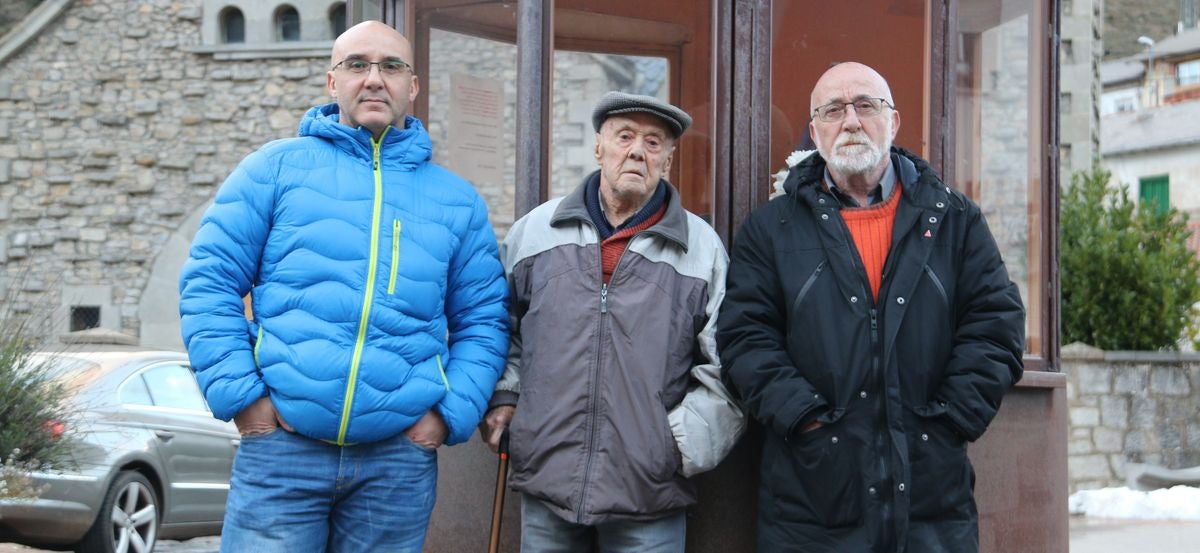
(865, 157)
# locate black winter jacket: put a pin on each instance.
(900, 383)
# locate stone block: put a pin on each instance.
(68, 37)
(102, 177)
(1143, 412)
(1085, 416)
(1171, 381)
(61, 153)
(60, 179)
(220, 75)
(246, 73)
(1080, 447)
(145, 107)
(189, 14)
(5, 170)
(1130, 379)
(5, 211)
(1170, 436)
(1108, 440)
(1088, 467)
(1181, 410)
(201, 179)
(1114, 411)
(1141, 441)
(1093, 379)
(1193, 430)
(93, 162)
(295, 73)
(175, 162)
(5, 133)
(1081, 433)
(92, 235)
(113, 119)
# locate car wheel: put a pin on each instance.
(128, 518)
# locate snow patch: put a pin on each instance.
(1177, 503)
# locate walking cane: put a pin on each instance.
(501, 485)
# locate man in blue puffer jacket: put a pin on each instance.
(380, 317)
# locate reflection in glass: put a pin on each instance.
(471, 87)
(998, 135)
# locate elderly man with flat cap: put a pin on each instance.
(613, 362)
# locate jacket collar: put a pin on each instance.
(921, 184)
(672, 226)
(403, 148)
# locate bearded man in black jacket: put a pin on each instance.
(870, 326)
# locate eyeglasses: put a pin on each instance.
(387, 68)
(863, 107)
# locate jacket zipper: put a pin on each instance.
(807, 284)
(368, 294)
(395, 255)
(592, 411)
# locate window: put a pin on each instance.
(998, 156)
(1155, 191)
(233, 26)
(287, 24)
(1064, 103)
(84, 317)
(135, 392)
(337, 20)
(174, 386)
(1188, 72)
(1067, 51)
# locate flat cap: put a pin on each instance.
(614, 103)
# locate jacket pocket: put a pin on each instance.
(395, 256)
(942, 477)
(819, 476)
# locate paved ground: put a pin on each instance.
(198, 545)
(1087, 536)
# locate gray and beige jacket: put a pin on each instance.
(620, 396)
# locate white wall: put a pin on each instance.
(1182, 165)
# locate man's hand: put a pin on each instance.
(494, 423)
(429, 432)
(259, 418)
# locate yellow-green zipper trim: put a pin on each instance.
(257, 344)
(395, 255)
(368, 294)
(445, 380)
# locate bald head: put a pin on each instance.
(367, 33)
(846, 81)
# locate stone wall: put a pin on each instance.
(112, 133)
(1141, 407)
(118, 123)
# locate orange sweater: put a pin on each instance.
(871, 228)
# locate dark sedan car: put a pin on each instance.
(149, 461)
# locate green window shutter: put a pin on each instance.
(1155, 190)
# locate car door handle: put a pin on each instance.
(236, 442)
(164, 435)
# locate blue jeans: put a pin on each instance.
(291, 494)
(542, 531)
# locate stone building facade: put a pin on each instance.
(1130, 407)
(120, 119)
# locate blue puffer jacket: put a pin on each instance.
(377, 290)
